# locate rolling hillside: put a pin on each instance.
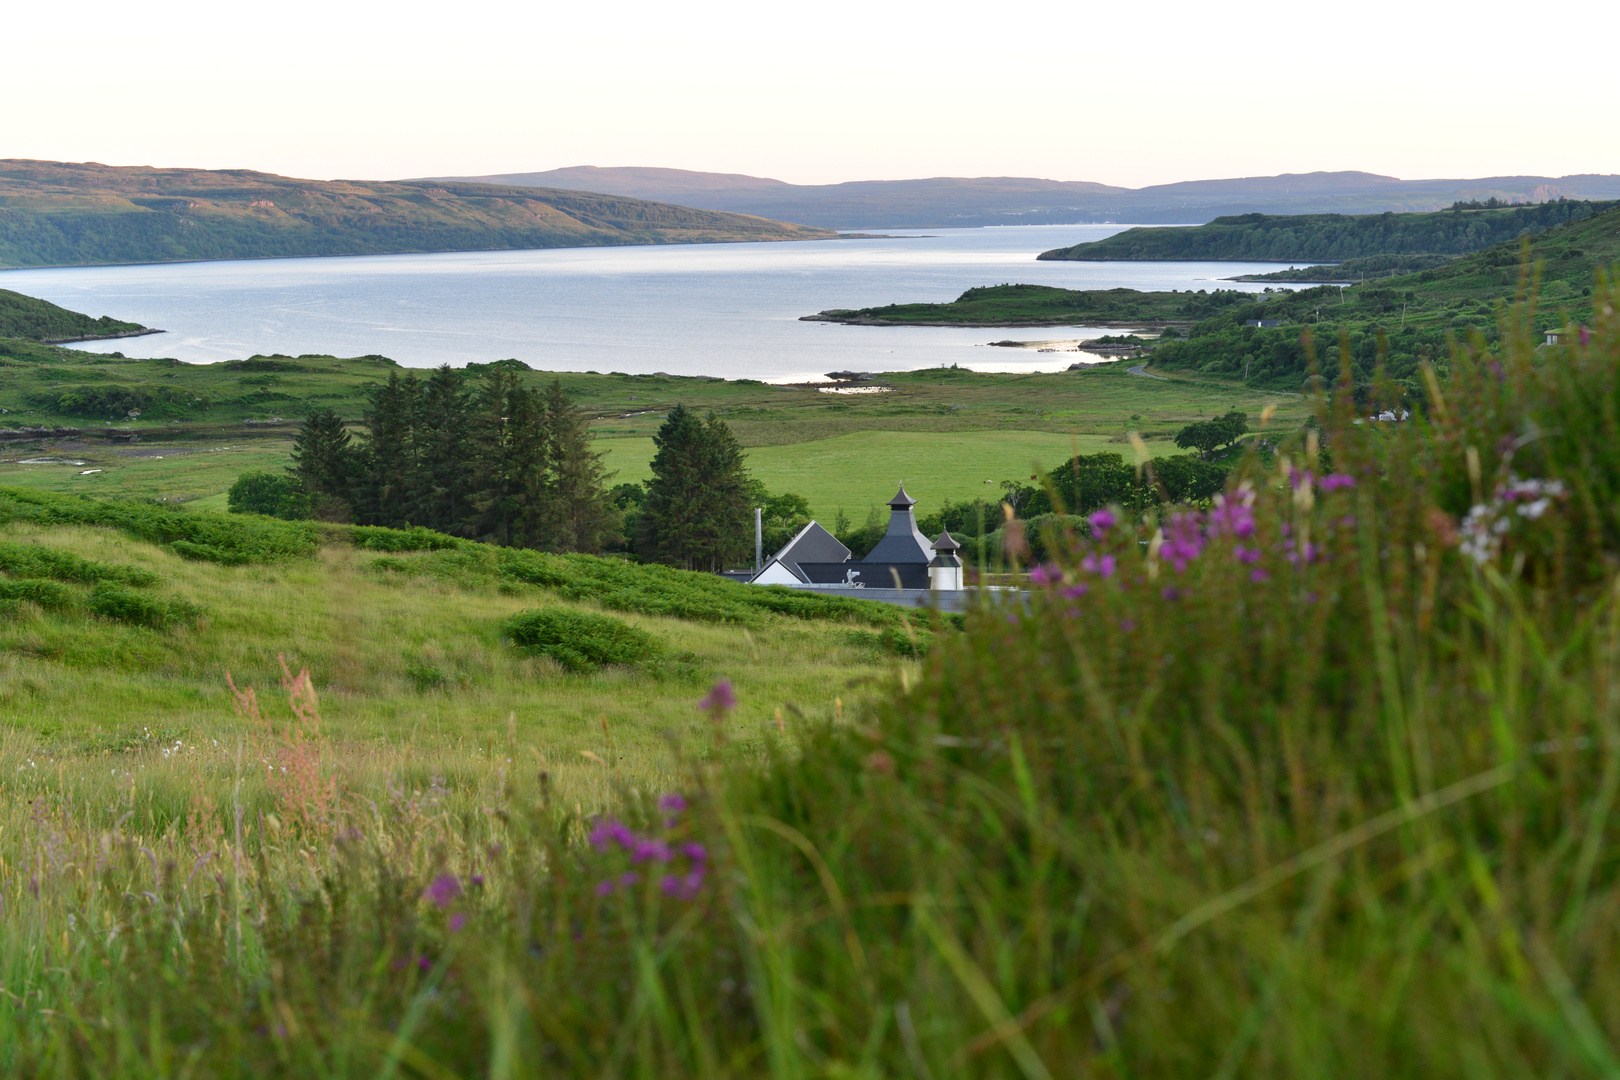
(1331, 237)
(57, 214)
(945, 201)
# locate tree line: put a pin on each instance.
(496, 460)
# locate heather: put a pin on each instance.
(1315, 777)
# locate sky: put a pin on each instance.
(1122, 93)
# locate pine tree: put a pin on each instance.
(510, 455)
(387, 466)
(323, 462)
(443, 479)
(696, 512)
(578, 515)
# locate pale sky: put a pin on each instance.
(1124, 93)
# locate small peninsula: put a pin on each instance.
(1318, 238)
(1037, 305)
(32, 319)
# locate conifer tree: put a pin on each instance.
(388, 463)
(578, 515)
(322, 460)
(511, 458)
(443, 478)
(696, 511)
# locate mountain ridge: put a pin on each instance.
(943, 202)
(87, 213)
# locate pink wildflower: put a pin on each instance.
(1334, 481)
(721, 698)
(1102, 565)
(1102, 521)
(443, 891)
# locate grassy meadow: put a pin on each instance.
(1319, 779)
(413, 668)
(944, 432)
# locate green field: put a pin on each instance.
(943, 431)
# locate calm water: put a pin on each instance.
(730, 310)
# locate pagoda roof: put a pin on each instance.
(902, 501)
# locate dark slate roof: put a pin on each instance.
(872, 575)
(810, 544)
(903, 543)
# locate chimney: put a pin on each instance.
(759, 542)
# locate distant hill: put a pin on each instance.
(40, 320)
(58, 214)
(943, 202)
(1331, 237)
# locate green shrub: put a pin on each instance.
(35, 560)
(895, 641)
(377, 538)
(578, 640)
(49, 595)
(139, 609)
(222, 538)
(271, 494)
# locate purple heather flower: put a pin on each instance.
(1170, 592)
(1048, 574)
(610, 831)
(1012, 620)
(1127, 625)
(1102, 565)
(443, 891)
(1257, 575)
(1234, 515)
(1103, 520)
(647, 848)
(1246, 555)
(476, 880)
(683, 886)
(721, 698)
(1334, 481)
(457, 921)
(1075, 592)
(672, 803)
(424, 962)
(1586, 336)
(1073, 613)
(695, 852)
(606, 887)
(1183, 543)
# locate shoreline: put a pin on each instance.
(142, 332)
(1102, 324)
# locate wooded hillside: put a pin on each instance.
(1332, 237)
